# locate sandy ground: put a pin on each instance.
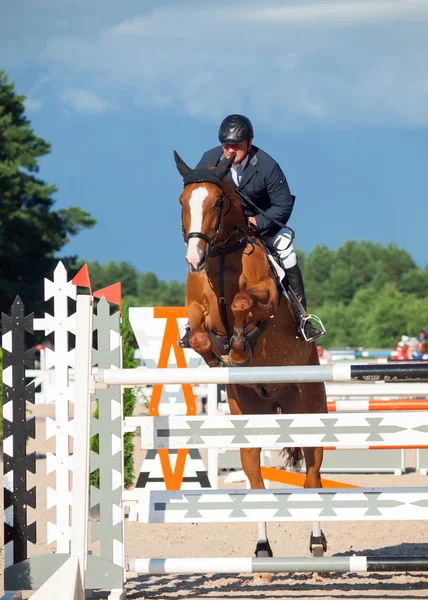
(238, 540)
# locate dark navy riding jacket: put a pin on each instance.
(263, 182)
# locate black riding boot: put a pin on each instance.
(296, 292)
(184, 341)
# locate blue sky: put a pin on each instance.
(337, 92)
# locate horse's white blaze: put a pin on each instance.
(196, 203)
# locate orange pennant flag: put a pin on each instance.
(112, 293)
(82, 278)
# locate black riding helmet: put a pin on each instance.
(235, 129)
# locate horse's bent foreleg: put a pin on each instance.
(199, 340)
(264, 300)
(258, 301)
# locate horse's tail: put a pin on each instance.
(293, 457)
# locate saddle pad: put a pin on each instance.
(278, 270)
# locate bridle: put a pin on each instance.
(215, 247)
(220, 249)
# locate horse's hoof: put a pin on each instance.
(228, 360)
(263, 550)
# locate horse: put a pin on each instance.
(238, 316)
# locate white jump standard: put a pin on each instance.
(106, 569)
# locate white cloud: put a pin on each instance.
(291, 63)
(84, 101)
(33, 104)
(342, 13)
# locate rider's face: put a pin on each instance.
(241, 150)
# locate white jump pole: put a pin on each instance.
(344, 564)
(301, 374)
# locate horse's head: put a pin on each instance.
(202, 205)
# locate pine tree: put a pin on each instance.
(31, 232)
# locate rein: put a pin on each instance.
(206, 238)
(220, 249)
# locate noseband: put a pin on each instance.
(217, 248)
(210, 240)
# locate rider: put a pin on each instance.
(259, 179)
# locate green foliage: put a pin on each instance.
(129, 362)
(374, 318)
(1, 396)
(337, 275)
(31, 232)
(138, 289)
(367, 294)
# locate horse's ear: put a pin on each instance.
(183, 169)
(223, 169)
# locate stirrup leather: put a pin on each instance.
(303, 322)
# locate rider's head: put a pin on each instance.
(236, 134)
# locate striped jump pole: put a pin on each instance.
(299, 374)
(377, 389)
(278, 505)
(342, 430)
(328, 564)
(350, 405)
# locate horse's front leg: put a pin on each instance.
(259, 300)
(199, 340)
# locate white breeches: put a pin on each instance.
(281, 241)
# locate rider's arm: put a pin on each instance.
(281, 200)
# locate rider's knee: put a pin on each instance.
(290, 260)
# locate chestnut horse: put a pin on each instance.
(238, 317)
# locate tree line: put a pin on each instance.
(367, 294)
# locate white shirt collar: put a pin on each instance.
(243, 164)
(234, 170)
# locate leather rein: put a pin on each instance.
(221, 248)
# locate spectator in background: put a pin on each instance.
(323, 354)
(401, 351)
(413, 351)
(422, 337)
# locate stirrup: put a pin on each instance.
(183, 339)
(301, 330)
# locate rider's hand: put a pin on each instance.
(252, 223)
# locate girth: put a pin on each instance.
(222, 343)
(221, 252)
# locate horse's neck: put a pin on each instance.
(233, 217)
